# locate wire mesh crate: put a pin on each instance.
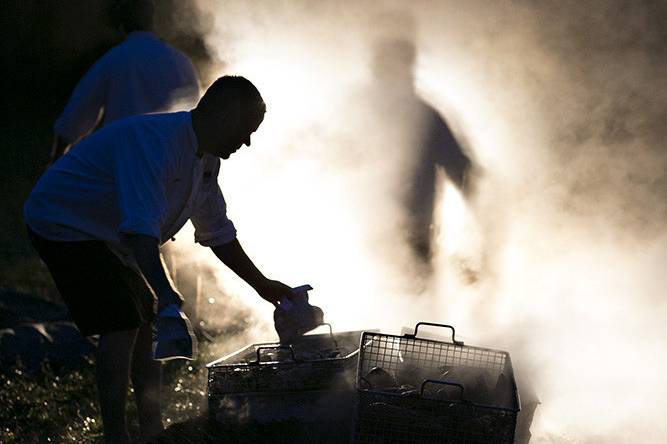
(415, 390)
(309, 380)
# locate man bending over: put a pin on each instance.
(98, 216)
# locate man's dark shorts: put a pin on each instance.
(102, 294)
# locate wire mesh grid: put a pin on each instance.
(282, 377)
(399, 415)
(392, 353)
(316, 362)
(388, 419)
(273, 382)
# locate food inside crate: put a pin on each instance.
(286, 366)
(310, 380)
(480, 385)
(420, 390)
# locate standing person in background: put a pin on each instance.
(407, 148)
(141, 75)
(417, 130)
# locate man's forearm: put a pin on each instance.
(147, 253)
(234, 257)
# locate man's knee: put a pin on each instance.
(145, 370)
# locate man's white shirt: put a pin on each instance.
(139, 175)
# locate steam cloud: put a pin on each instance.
(562, 103)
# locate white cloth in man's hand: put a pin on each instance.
(175, 339)
(295, 316)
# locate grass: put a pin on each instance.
(47, 407)
(53, 406)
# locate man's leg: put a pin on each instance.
(113, 377)
(147, 381)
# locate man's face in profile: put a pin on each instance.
(234, 133)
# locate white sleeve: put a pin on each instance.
(212, 227)
(83, 109)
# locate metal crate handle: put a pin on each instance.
(433, 324)
(274, 347)
(435, 381)
(333, 338)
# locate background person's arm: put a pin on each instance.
(84, 110)
(234, 257)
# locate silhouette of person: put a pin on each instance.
(141, 75)
(419, 136)
(99, 214)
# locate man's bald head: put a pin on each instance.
(229, 112)
(234, 93)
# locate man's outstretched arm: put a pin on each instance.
(234, 257)
(147, 253)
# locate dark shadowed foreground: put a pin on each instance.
(203, 430)
(50, 404)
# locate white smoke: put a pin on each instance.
(560, 257)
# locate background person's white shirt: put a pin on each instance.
(138, 175)
(141, 75)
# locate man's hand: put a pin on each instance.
(273, 291)
(147, 253)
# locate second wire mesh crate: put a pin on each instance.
(413, 390)
(309, 382)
